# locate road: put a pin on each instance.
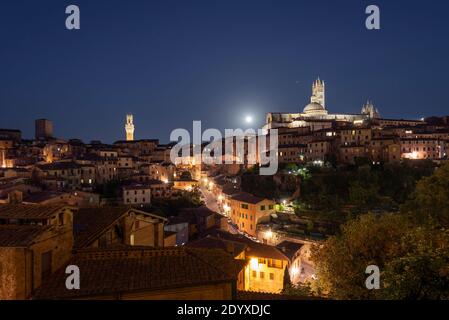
(211, 202)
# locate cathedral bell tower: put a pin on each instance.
(129, 127)
(318, 95)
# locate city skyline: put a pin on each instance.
(171, 63)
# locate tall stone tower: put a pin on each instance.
(318, 93)
(129, 127)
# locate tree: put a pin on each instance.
(423, 271)
(342, 260)
(413, 259)
(431, 198)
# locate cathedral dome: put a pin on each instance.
(314, 108)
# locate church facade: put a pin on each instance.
(316, 116)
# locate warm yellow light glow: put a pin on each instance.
(254, 263)
(294, 271)
(412, 155)
(220, 198)
(269, 233)
(165, 180)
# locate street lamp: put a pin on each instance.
(269, 234)
(254, 263)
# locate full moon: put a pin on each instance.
(248, 119)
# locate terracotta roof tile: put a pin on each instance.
(89, 223)
(247, 197)
(19, 236)
(107, 272)
(29, 211)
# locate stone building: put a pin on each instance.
(34, 242)
(101, 227)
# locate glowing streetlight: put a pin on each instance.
(248, 119)
(269, 234)
(254, 263)
(294, 271)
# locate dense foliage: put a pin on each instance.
(362, 187)
(411, 249)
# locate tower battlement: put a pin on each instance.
(129, 127)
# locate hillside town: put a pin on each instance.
(141, 226)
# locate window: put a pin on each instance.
(273, 263)
(244, 206)
(270, 207)
(271, 276)
(262, 275)
(61, 219)
(254, 274)
(262, 208)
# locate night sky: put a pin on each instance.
(171, 62)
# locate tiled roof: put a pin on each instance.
(231, 247)
(29, 211)
(255, 249)
(38, 197)
(289, 248)
(107, 272)
(59, 166)
(19, 236)
(202, 211)
(247, 197)
(89, 223)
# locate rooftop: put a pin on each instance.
(108, 271)
(89, 223)
(231, 247)
(254, 249)
(21, 211)
(289, 248)
(19, 236)
(247, 197)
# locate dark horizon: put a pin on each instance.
(171, 62)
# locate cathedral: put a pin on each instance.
(316, 112)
